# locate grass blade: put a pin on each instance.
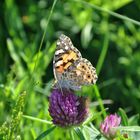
(43, 37)
(123, 116)
(129, 128)
(45, 133)
(79, 133)
(36, 119)
(103, 54)
(97, 93)
(110, 12)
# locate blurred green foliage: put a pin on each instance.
(93, 32)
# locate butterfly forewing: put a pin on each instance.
(65, 56)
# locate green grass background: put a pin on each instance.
(102, 33)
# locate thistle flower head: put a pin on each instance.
(67, 109)
(107, 127)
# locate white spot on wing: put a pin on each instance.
(58, 43)
(59, 51)
(66, 47)
(59, 63)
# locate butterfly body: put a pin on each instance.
(71, 71)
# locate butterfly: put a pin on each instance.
(71, 71)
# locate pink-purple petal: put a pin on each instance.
(67, 109)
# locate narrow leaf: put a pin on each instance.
(129, 128)
(45, 133)
(123, 117)
(79, 133)
(36, 119)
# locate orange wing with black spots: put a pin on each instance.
(65, 56)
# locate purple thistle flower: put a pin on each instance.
(108, 126)
(67, 109)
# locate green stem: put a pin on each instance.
(97, 93)
(110, 12)
(36, 119)
(99, 66)
(41, 43)
(103, 54)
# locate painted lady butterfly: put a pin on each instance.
(71, 71)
